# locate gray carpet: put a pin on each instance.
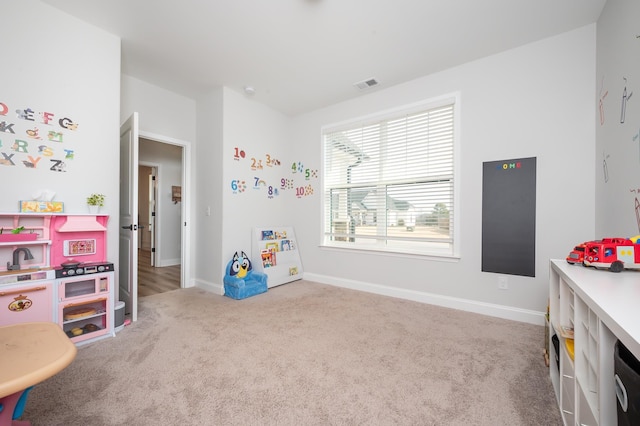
(303, 354)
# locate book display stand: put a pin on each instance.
(275, 253)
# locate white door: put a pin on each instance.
(128, 276)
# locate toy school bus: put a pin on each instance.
(614, 254)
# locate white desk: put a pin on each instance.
(601, 307)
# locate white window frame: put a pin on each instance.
(423, 250)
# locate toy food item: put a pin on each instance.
(79, 313)
(76, 331)
(90, 327)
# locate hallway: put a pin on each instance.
(152, 280)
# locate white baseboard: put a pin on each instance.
(500, 311)
(213, 288)
(168, 262)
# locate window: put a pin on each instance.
(389, 182)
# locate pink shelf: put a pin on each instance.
(48, 235)
(11, 238)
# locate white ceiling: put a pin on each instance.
(301, 55)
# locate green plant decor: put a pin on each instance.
(96, 200)
(17, 230)
(14, 230)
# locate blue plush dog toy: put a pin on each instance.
(240, 280)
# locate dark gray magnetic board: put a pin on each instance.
(509, 217)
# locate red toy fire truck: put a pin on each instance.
(577, 254)
(614, 254)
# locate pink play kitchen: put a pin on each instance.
(53, 268)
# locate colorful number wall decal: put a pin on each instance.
(272, 161)
(272, 192)
(256, 164)
(286, 183)
(238, 153)
(303, 191)
(238, 186)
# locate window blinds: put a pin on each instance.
(389, 183)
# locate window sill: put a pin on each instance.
(377, 251)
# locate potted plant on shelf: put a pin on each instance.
(95, 201)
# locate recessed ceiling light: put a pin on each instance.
(249, 90)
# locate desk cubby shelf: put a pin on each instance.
(601, 307)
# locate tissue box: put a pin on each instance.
(41, 207)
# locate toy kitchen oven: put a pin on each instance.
(85, 308)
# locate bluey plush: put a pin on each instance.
(240, 280)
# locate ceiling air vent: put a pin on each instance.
(365, 84)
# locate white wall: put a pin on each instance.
(231, 123)
(56, 63)
(160, 111)
(533, 101)
(260, 132)
(168, 159)
(207, 215)
(618, 144)
(537, 100)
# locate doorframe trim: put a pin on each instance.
(157, 167)
(187, 188)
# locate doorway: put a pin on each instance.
(160, 168)
(130, 137)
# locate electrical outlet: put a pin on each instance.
(502, 283)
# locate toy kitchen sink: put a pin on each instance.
(26, 275)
